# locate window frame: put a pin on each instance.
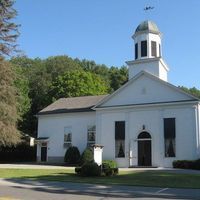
(153, 48)
(144, 45)
(120, 139)
(169, 125)
(67, 134)
(91, 129)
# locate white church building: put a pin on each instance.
(146, 122)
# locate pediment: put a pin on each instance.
(145, 88)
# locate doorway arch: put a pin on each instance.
(144, 149)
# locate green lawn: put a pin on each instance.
(134, 178)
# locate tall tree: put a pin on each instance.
(8, 29)
(193, 91)
(118, 77)
(9, 134)
(78, 83)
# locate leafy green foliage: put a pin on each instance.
(87, 156)
(109, 168)
(118, 77)
(72, 156)
(9, 134)
(58, 65)
(110, 163)
(193, 91)
(78, 83)
(90, 169)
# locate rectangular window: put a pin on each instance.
(120, 139)
(170, 136)
(136, 51)
(153, 49)
(67, 136)
(91, 135)
(143, 48)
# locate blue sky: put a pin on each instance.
(101, 30)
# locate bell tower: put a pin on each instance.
(148, 53)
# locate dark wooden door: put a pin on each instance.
(44, 154)
(144, 153)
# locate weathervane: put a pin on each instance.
(147, 8)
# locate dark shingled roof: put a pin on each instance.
(72, 104)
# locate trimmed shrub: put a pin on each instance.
(109, 168)
(90, 169)
(110, 171)
(72, 156)
(187, 164)
(109, 163)
(87, 156)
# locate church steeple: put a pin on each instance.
(148, 56)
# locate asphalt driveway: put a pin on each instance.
(31, 190)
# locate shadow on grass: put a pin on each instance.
(117, 186)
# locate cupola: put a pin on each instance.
(147, 38)
(148, 54)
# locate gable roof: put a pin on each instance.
(188, 96)
(72, 104)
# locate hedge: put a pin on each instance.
(89, 169)
(187, 164)
(108, 168)
(20, 153)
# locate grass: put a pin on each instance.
(131, 178)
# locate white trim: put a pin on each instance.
(147, 105)
(151, 76)
(143, 139)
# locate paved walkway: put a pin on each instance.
(66, 188)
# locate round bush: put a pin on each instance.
(109, 163)
(90, 169)
(87, 156)
(72, 156)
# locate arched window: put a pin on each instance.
(144, 135)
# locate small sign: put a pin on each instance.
(98, 151)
